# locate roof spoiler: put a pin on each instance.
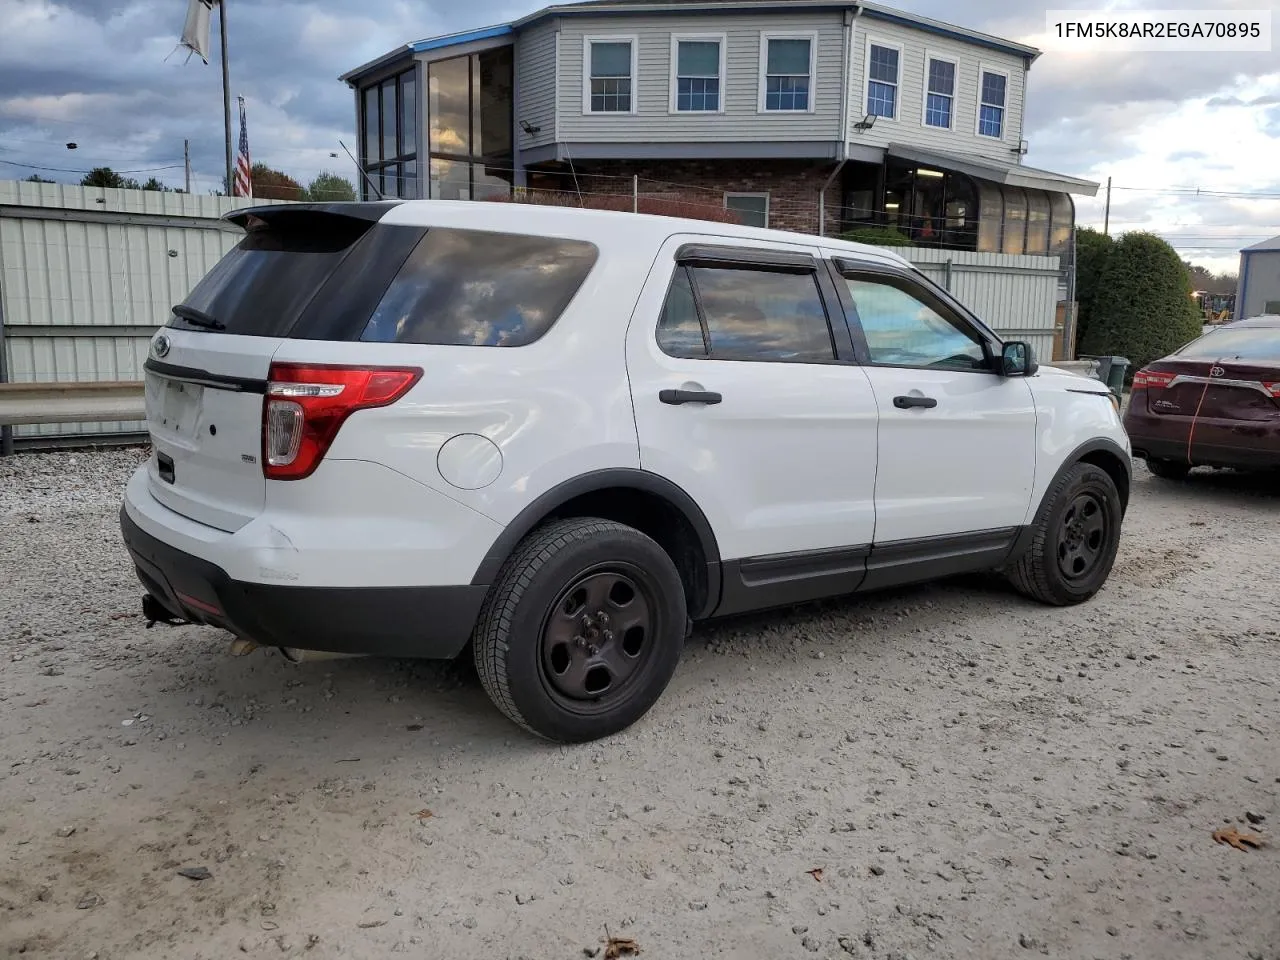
(352, 209)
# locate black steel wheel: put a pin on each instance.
(582, 630)
(1082, 536)
(1075, 538)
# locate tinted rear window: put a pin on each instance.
(476, 288)
(1249, 343)
(263, 284)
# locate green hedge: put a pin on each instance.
(1142, 307)
(880, 236)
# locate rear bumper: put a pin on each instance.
(429, 622)
(1244, 445)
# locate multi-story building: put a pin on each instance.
(813, 115)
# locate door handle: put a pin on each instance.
(677, 397)
(906, 403)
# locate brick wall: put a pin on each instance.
(792, 185)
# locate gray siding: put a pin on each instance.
(536, 84)
(1263, 276)
(909, 127)
(654, 123)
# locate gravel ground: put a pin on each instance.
(947, 771)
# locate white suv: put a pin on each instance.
(564, 435)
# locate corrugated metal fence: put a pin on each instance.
(88, 274)
(1016, 296)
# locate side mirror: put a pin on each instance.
(1018, 359)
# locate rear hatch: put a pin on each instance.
(1229, 374)
(301, 271)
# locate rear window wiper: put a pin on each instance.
(197, 317)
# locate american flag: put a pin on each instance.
(244, 181)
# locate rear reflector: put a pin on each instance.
(1273, 389)
(1152, 380)
(199, 604)
(306, 405)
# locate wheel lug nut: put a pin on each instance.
(593, 649)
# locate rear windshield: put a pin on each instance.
(263, 284)
(1248, 343)
(476, 288)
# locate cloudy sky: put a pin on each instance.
(1162, 125)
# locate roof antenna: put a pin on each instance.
(369, 180)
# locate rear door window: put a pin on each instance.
(724, 313)
(264, 283)
(476, 288)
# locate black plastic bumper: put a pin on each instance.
(427, 622)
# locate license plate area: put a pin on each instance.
(180, 406)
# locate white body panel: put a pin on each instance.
(785, 463)
(1065, 420)
(350, 524)
(214, 436)
(966, 465)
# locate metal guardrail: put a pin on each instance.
(23, 403)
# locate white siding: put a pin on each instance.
(536, 84)
(90, 274)
(909, 127)
(741, 120)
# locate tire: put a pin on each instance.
(1169, 469)
(560, 677)
(1066, 563)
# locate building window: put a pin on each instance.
(752, 208)
(469, 119)
(610, 74)
(940, 80)
(787, 82)
(389, 136)
(697, 73)
(1015, 220)
(992, 90)
(882, 80)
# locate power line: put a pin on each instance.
(32, 166)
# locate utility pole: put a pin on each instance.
(226, 89)
(186, 161)
(1106, 216)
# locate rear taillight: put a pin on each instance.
(1273, 389)
(1152, 380)
(306, 404)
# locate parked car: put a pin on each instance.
(565, 435)
(1215, 402)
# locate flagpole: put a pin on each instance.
(226, 92)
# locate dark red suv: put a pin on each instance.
(1215, 402)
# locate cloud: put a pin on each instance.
(95, 72)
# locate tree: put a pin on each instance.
(1142, 307)
(154, 184)
(36, 178)
(1092, 250)
(330, 187)
(103, 177)
(269, 184)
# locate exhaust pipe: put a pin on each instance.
(296, 655)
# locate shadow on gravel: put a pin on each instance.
(1222, 487)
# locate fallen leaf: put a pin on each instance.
(616, 947)
(424, 814)
(1241, 841)
(816, 873)
(195, 873)
(370, 924)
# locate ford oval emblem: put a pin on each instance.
(160, 346)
